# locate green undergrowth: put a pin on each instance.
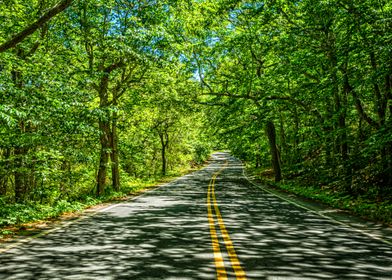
(16, 215)
(20, 213)
(365, 206)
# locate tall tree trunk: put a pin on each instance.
(104, 129)
(4, 171)
(114, 154)
(342, 116)
(339, 109)
(388, 97)
(19, 174)
(164, 143)
(275, 157)
(388, 167)
(282, 136)
(380, 101)
(104, 156)
(328, 138)
(104, 125)
(294, 157)
(388, 92)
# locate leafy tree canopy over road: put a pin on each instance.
(97, 94)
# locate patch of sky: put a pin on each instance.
(211, 41)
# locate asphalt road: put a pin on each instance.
(211, 224)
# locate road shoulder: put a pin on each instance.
(371, 229)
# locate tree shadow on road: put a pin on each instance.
(161, 235)
(164, 234)
(278, 240)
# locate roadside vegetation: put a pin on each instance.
(305, 88)
(99, 96)
(368, 206)
(24, 218)
(94, 104)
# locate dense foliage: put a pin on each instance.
(95, 94)
(307, 84)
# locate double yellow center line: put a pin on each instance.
(212, 206)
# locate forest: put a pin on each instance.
(99, 97)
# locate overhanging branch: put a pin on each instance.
(61, 6)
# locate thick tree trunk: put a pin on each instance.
(388, 167)
(282, 135)
(164, 143)
(114, 154)
(104, 156)
(104, 129)
(4, 171)
(328, 137)
(163, 161)
(340, 105)
(3, 184)
(275, 157)
(342, 116)
(294, 157)
(19, 174)
(388, 98)
(388, 92)
(380, 101)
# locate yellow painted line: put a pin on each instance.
(218, 259)
(235, 263)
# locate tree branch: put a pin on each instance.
(113, 67)
(61, 6)
(361, 111)
(298, 102)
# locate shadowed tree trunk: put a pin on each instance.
(114, 154)
(19, 173)
(104, 128)
(4, 171)
(275, 157)
(20, 176)
(164, 143)
(104, 156)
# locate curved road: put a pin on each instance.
(211, 224)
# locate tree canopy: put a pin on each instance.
(96, 93)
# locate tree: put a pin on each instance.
(19, 37)
(302, 65)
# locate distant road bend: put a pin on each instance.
(211, 224)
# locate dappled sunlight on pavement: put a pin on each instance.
(278, 240)
(164, 234)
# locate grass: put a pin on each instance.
(361, 205)
(380, 211)
(16, 218)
